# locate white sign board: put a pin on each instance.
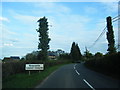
(34, 67)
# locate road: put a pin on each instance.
(78, 76)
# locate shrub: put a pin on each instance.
(10, 68)
(107, 64)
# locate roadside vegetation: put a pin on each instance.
(17, 77)
(14, 74)
(107, 64)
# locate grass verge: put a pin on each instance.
(24, 80)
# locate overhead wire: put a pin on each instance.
(98, 37)
(103, 31)
(115, 17)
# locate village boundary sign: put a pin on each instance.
(34, 67)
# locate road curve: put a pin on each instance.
(78, 76)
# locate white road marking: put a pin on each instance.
(77, 72)
(88, 84)
(74, 67)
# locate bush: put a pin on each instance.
(107, 64)
(11, 68)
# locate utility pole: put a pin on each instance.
(119, 27)
(110, 36)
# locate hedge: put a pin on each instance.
(107, 64)
(10, 68)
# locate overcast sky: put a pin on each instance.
(81, 22)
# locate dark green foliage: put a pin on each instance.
(24, 81)
(11, 68)
(98, 55)
(75, 52)
(41, 56)
(108, 64)
(110, 36)
(78, 53)
(64, 56)
(72, 53)
(31, 56)
(87, 55)
(43, 38)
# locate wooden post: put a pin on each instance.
(29, 72)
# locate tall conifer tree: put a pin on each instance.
(44, 39)
(75, 52)
(110, 36)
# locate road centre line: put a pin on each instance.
(88, 84)
(74, 67)
(77, 72)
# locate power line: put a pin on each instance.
(98, 37)
(113, 20)
(116, 17)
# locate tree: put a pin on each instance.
(72, 52)
(75, 52)
(31, 56)
(65, 56)
(78, 53)
(87, 54)
(110, 36)
(98, 55)
(44, 39)
(59, 52)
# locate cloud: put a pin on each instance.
(4, 19)
(30, 0)
(91, 10)
(66, 28)
(62, 34)
(13, 40)
(110, 7)
(8, 44)
(26, 19)
(7, 34)
(50, 7)
(60, 1)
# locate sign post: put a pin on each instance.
(29, 72)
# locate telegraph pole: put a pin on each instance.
(119, 27)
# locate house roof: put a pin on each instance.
(15, 57)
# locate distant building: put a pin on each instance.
(55, 54)
(11, 58)
(52, 55)
(15, 58)
(6, 58)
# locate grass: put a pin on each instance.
(24, 80)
